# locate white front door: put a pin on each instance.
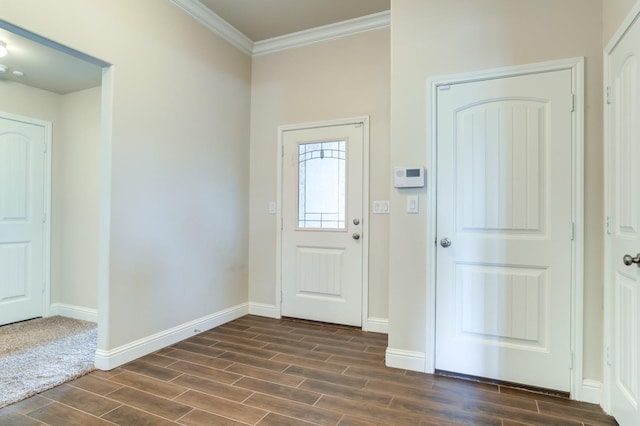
(22, 219)
(504, 229)
(322, 223)
(624, 228)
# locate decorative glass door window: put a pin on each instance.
(322, 185)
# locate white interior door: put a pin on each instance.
(322, 224)
(504, 227)
(22, 219)
(624, 227)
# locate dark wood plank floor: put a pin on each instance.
(259, 371)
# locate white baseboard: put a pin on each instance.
(377, 325)
(407, 360)
(110, 359)
(75, 312)
(264, 310)
(591, 391)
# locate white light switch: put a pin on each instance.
(272, 207)
(412, 204)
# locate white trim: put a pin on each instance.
(47, 177)
(211, 20)
(591, 391)
(47, 227)
(75, 312)
(365, 223)
(576, 65)
(577, 248)
(108, 360)
(375, 21)
(264, 310)
(376, 325)
(216, 24)
(407, 360)
(632, 17)
(365, 206)
(608, 287)
(104, 220)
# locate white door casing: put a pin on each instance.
(24, 218)
(507, 288)
(622, 294)
(323, 265)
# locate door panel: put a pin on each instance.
(625, 237)
(322, 210)
(504, 202)
(21, 220)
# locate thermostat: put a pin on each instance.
(408, 177)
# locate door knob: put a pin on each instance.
(629, 260)
(356, 236)
(445, 242)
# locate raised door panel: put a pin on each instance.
(501, 166)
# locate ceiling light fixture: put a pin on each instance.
(3, 49)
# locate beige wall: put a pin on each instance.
(75, 122)
(613, 14)
(76, 198)
(434, 38)
(338, 79)
(180, 150)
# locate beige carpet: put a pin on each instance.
(39, 354)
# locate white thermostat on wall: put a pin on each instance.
(408, 177)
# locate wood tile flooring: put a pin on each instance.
(260, 371)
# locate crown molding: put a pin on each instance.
(216, 24)
(375, 21)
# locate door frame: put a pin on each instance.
(46, 240)
(630, 20)
(576, 66)
(364, 120)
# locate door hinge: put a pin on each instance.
(608, 355)
(609, 95)
(608, 225)
(573, 102)
(571, 361)
(282, 151)
(573, 231)
(281, 223)
(45, 148)
(44, 217)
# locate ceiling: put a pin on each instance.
(46, 67)
(59, 69)
(264, 19)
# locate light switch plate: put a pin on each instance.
(272, 207)
(412, 205)
(381, 207)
